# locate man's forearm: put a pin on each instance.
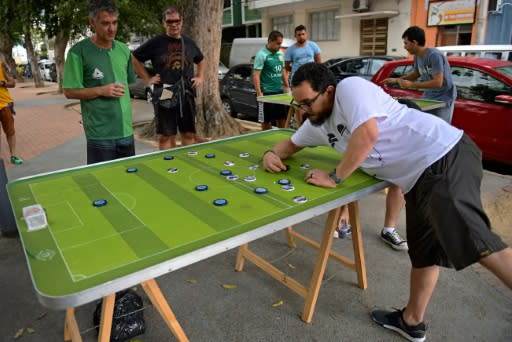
(359, 147)
(83, 93)
(140, 70)
(200, 69)
(285, 149)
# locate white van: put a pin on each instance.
(243, 50)
(503, 52)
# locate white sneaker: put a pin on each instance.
(343, 231)
(394, 240)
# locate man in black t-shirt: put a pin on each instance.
(166, 52)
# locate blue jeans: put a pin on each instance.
(445, 113)
(109, 149)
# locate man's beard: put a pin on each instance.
(318, 120)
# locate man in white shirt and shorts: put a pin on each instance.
(435, 164)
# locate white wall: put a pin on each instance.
(348, 44)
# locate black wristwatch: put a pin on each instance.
(335, 178)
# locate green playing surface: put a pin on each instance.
(429, 104)
(286, 99)
(153, 215)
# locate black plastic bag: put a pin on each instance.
(174, 101)
(128, 319)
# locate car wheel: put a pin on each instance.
(228, 107)
(149, 95)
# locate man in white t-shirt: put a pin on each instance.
(436, 166)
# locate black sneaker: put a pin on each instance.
(394, 240)
(393, 320)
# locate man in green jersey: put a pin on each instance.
(268, 79)
(97, 72)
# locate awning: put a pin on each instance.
(369, 15)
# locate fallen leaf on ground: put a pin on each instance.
(229, 286)
(19, 333)
(278, 303)
(192, 281)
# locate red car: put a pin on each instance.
(483, 108)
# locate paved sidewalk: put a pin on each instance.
(467, 305)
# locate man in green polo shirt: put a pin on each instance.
(97, 72)
(268, 79)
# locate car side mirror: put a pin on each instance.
(506, 99)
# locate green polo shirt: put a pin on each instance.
(87, 66)
(271, 65)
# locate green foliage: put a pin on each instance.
(141, 17)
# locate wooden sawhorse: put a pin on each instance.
(310, 293)
(155, 295)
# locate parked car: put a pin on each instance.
(483, 108)
(243, 50)
(48, 70)
(237, 92)
(364, 66)
(222, 70)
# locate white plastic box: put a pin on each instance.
(35, 217)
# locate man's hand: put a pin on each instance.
(196, 82)
(320, 178)
(112, 90)
(402, 83)
(390, 80)
(272, 163)
(154, 79)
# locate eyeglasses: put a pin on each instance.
(172, 22)
(305, 104)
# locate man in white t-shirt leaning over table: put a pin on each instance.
(436, 165)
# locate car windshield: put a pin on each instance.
(507, 70)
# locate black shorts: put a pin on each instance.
(169, 120)
(269, 112)
(446, 223)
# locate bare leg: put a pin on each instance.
(187, 138)
(281, 123)
(344, 214)
(11, 141)
(298, 118)
(166, 142)
(500, 263)
(265, 126)
(422, 284)
(394, 203)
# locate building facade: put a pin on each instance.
(371, 27)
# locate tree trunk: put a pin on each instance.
(203, 22)
(61, 40)
(6, 45)
(32, 59)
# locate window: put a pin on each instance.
(284, 25)
(455, 35)
(376, 65)
(401, 71)
(324, 26)
(477, 86)
(242, 73)
(494, 5)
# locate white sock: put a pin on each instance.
(388, 230)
